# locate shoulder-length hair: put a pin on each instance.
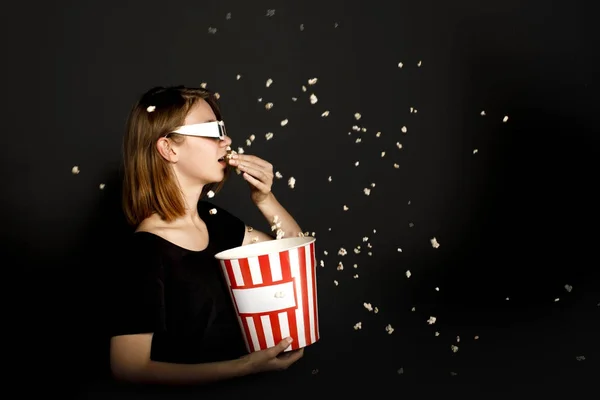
(149, 184)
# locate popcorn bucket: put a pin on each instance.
(273, 287)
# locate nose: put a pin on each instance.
(226, 141)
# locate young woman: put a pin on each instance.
(174, 321)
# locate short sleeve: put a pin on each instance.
(138, 293)
(225, 229)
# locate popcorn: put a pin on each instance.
(292, 182)
(151, 109)
(434, 243)
(75, 170)
(358, 326)
(431, 320)
(212, 211)
(210, 194)
(389, 329)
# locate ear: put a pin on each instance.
(166, 150)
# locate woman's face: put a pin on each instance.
(197, 160)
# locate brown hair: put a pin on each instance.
(149, 184)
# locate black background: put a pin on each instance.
(517, 219)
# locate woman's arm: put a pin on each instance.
(130, 362)
(276, 216)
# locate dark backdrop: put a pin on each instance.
(512, 204)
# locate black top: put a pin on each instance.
(181, 295)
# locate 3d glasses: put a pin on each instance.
(214, 129)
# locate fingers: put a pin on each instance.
(248, 158)
(249, 161)
(287, 359)
(255, 172)
(256, 183)
(280, 347)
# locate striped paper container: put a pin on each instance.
(273, 287)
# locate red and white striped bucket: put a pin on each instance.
(273, 287)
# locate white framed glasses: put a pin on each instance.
(215, 129)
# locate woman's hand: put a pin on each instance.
(257, 172)
(272, 358)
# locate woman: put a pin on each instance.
(175, 323)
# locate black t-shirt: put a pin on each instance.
(181, 295)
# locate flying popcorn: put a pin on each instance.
(75, 170)
(434, 243)
(431, 320)
(151, 109)
(292, 182)
(313, 99)
(210, 194)
(212, 211)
